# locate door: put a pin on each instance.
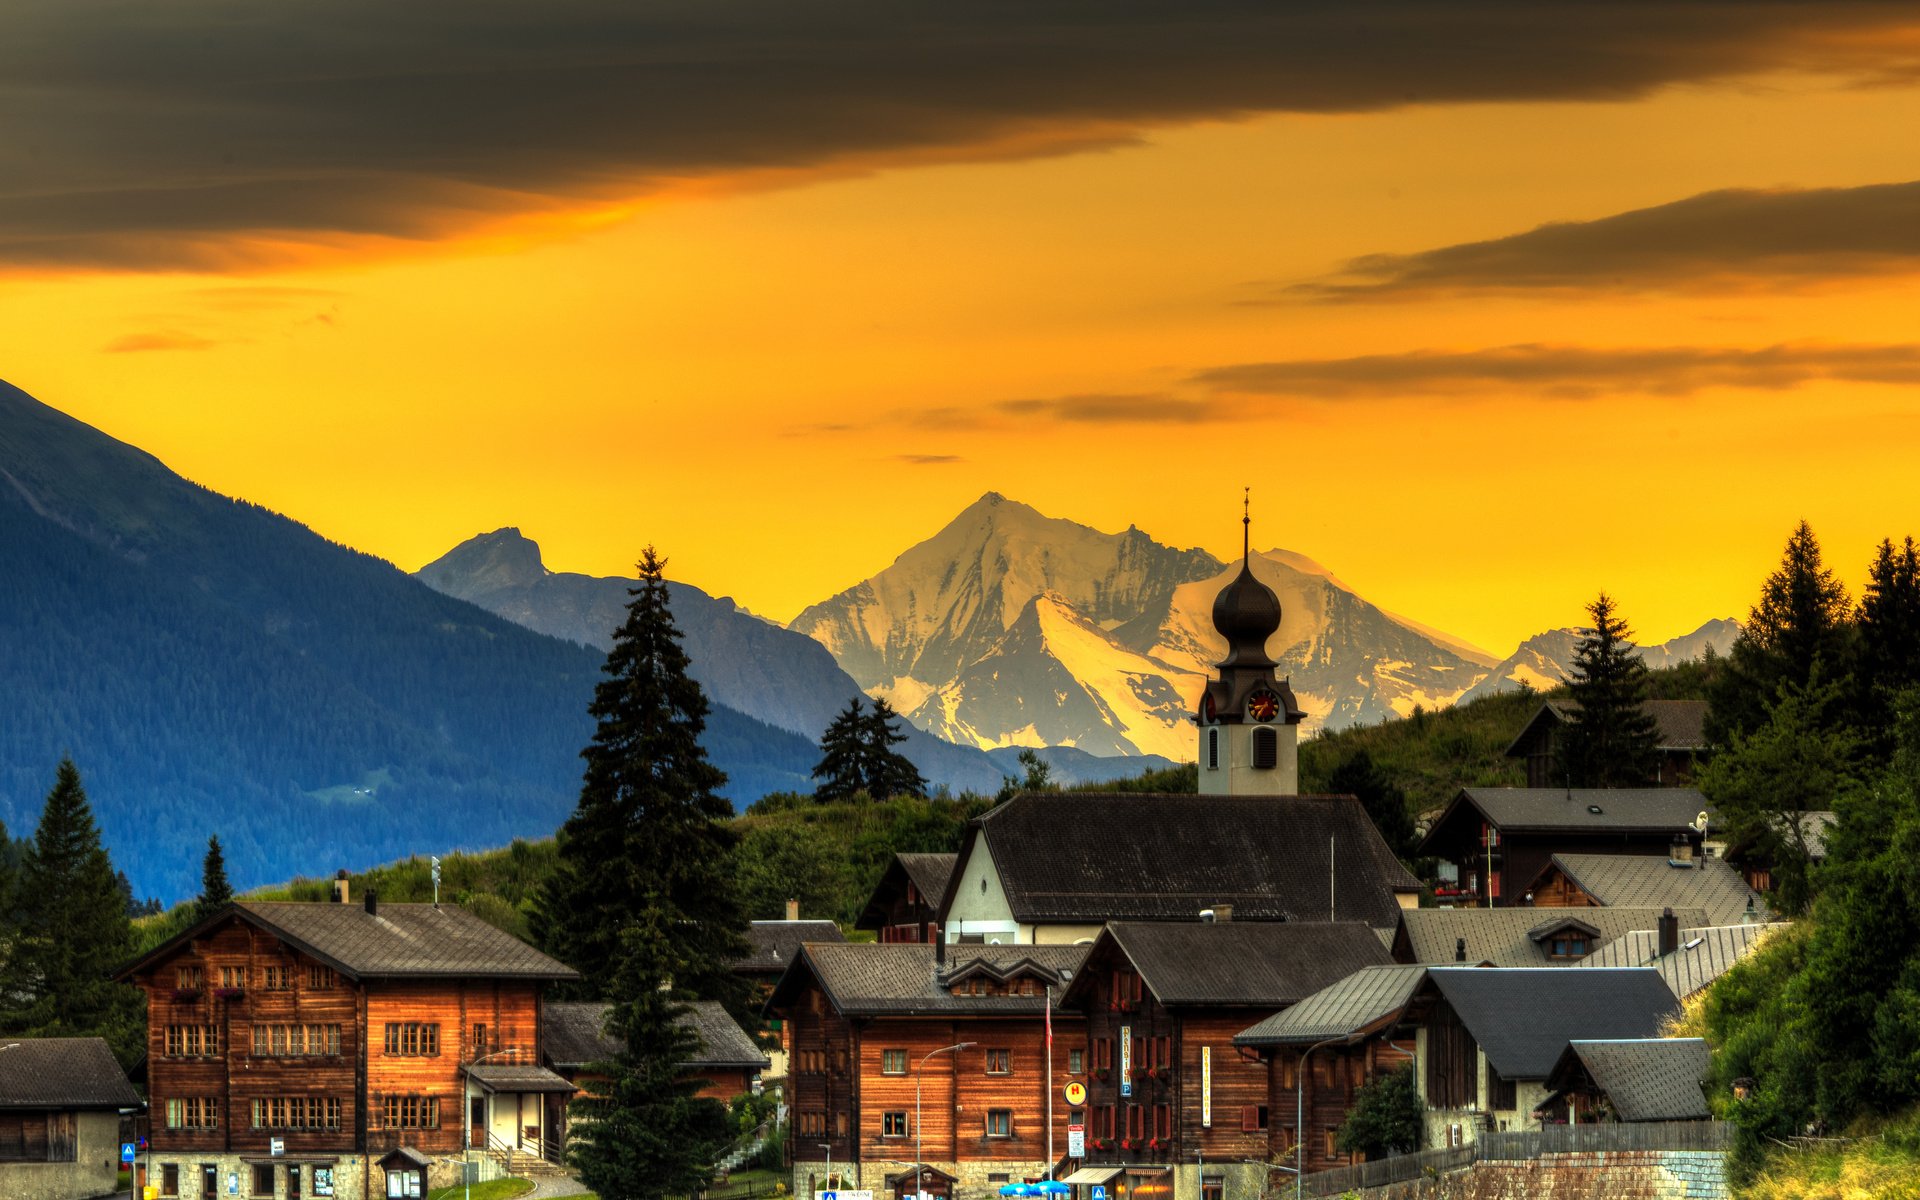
(477, 1121)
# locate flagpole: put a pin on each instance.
(1049, 1020)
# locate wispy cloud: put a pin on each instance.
(174, 134)
(928, 460)
(1088, 408)
(162, 340)
(1732, 240)
(1566, 372)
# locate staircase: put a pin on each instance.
(521, 1162)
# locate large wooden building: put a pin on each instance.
(1172, 1103)
(291, 1046)
(896, 1055)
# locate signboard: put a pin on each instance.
(1206, 1087)
(1076, 1141)
(276, 1146)
(323, 1181)
(126, 1152)
(1076, 1093)
(1126, 1060)
(233, 1183)
(1099, 1192)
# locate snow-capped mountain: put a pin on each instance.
(1545, 660)
(1009, 627)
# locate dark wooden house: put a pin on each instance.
(773, 945)
(1492, 843)
(1680, 727)
(1168, 1087)
(905, 905)
(883, 1031)
(1645, 881)
(291, 1045)
(61, 1107)
(1629, 1079)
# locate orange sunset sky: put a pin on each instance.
(1492, 305)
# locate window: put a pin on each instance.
(193, 1041)
(296, 1112)
(1323, 1071)
(1076, 1062)
(411, 1112)
(999, 1122)
(998, 1177)
(839, 1060)
(279, 979)
(1136, 1121)
(1213, 749)
(189, 979)
(1103, 1054)
(1253, 1118)
(893, 1062)
(1125, 989)
(192, 1112)
(999, 1062)
(840, 1124)
(1330, 1141)
(413, 1039)
(1572, 946)
(263, 1179)
(1266, 749)
(893, 1124)
(1103, 1122)
(209, 1179)
(1162, 1122)
(321, 979)
(1289, 1072)
(1162, 1052)
(293, 1179)
(233, 979)
(1213, 1187)
(169, 1179)
(480, 1038)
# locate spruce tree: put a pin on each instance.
(1384, 801)
(1799, 633)
(842, 755)
(73, 931)
(1889, 658)
(215, 892)
(1610, 740)
(888, 773)
(648, 839)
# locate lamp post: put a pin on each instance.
(466, 1118)
(828, 1147)
(919, 1160)
(1300, 1118)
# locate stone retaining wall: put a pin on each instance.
(1600, 1175)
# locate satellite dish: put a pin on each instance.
(1700, 822)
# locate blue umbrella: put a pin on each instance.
(1015, 1189)
(1051, 1187)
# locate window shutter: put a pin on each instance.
(1249, 1118)
(1266, 749)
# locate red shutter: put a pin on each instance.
(1249, 1118)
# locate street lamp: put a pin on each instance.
(828, 1181)
(1300, 1117)
(466, 1118)
(919, 1160)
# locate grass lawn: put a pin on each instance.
(492, 1189)
(745, 1183)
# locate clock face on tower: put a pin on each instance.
(1263, 705)
(1206, 708)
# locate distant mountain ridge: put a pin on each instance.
(1545, 660)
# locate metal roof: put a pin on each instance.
(1602, 810)
(62, 1074)
(1649, 881)
(1679, 725)
(1704, 954)
(1645, 1079)
(574, 1035)
(1358, 1004)
(1255, 964)
(511, 1077)
(1502, 936)
(1524, 1017)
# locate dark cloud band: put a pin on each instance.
(137, 135)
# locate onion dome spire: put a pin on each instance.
(1246, 612)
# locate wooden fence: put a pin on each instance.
(1383, 1171)
(1521, 1144)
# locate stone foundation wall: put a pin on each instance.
(355, 1176)
(970, 1178)
(1601, 1175)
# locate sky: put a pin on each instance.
(1492, 305)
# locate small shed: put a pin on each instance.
(1629, 1079)
(406, 1172)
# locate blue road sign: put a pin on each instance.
(1099, 1191)
(126, 1152)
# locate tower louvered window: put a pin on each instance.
(1266, 749)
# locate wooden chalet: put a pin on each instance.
(905, 905)
(1520, 937)
(1680, 727)
(725, 1064)
(1492, 843)
(873, 1026)
(1054, 867)
(1628, 1079)
(1488, 1039)
(1645, 881)
(773, 945)
(61, 1104)
(289, 1046)
(1343, 1035)
(1166, 1085)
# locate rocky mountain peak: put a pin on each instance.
(489, 562)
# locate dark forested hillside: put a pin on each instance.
(215, 668)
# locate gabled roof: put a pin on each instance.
(1524, 1017)
(928, 873)
(902, 979)
(1680, 725)
(401, 941)
(517, 1077)
(1704, 955)
(68, 1074)
(1502, 936)
(573, 1035)
(1646, 1079)
(1649, 881)
(1562, 920)
(775, 944)
(1259, 964)
(1101, 856)
(1368, 1000)
(1664, 811)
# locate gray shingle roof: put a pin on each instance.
(1678, 724)
(930, 873)
(1357, 1004)
(517, 1077)
(901, 978)
(1501, 936)
(62, 1073)
(1094, 856)
(574, 1036)
(1646, 1079)
(775, 944)
(1705, 954)
(1621, 810)
(1524, 1017)
(1648, 881)
(1256, 964)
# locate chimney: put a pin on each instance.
(373, 903)
(1681, 854)
(1222, 913)
(340, 886)
(793, 909)
(1669, 933)
(1459, 949)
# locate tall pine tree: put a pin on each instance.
(215, 892)
(73, 931)
(648, 839)
(1797, 635)
(842, 768)
(1359, 776)
(888, 772)
(1889, 658)
(1610, 740)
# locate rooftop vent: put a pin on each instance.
(373, 903)
(340, 886)
(1594, 809)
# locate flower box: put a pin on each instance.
(227, 993)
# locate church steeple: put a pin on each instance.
(1248, 719)
(1246, 612)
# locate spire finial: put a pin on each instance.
(1246, 525)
